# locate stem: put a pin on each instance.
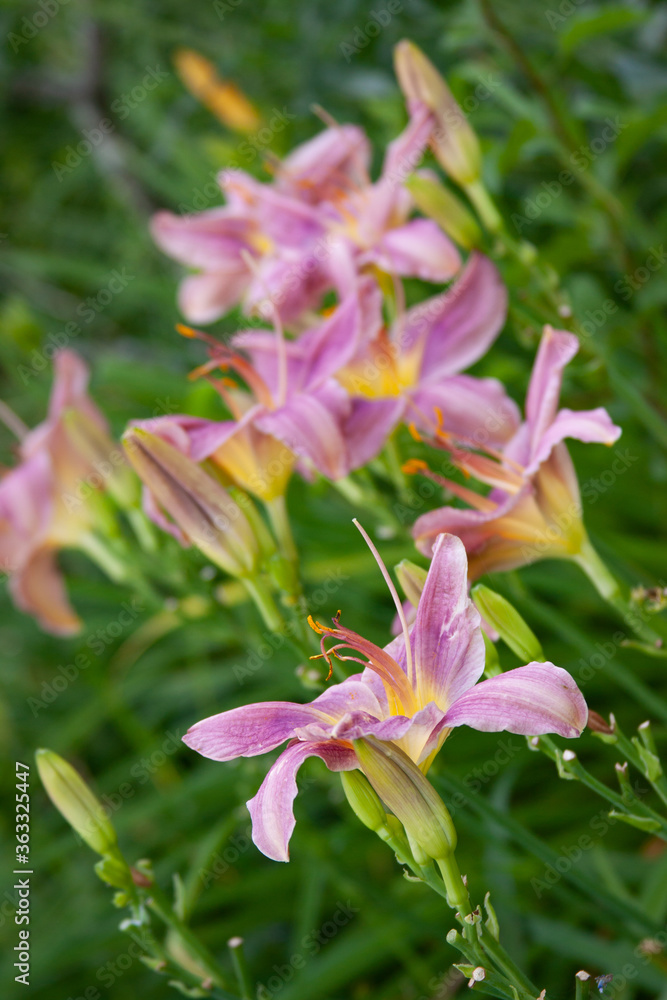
(609, 589)
(277, 510)
(458, 899)
(457, 893)
(486, 209)
(264, 602)
(504, 963)
(143, 529)
(103, 556)
(159, 904)
(241, 969)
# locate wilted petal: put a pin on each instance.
(271, 809)
(251, 729)
(532, 700)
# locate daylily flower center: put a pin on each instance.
(385, 370)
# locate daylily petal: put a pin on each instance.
(584, 425)
(251, 729)
(556, 350)
(271, 809)
(309, 424)
(532, 700)
(476, 409)
(326, 165)
(419, 249)
(38, 588)
(416, 734)
(461, 324)
(367, 427)
(203, 298)
(446, 637)
(209, 240)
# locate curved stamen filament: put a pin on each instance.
(397, 602)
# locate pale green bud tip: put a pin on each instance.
(440, 204)
(76, 802)
(412, 579)
(413, 800)
(363, 800)
(506, 620)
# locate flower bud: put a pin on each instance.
(440, 204)
(412, 579)
(106, 460)
(113, 870)
(508, 623)
(76, 802)
(198, 504)
(412, 799)
(454, 143)
(363, 800)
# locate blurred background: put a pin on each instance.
(99, 131)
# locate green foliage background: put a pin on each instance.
(63, 237)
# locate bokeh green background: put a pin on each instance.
(63, 235)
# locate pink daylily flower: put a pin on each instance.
(40, 511)
(276, 245)
(407, 374)
(298, 401)
(534, 509)
(416, 366)
(412, 693)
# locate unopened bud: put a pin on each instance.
(76, 802)
(104, 456)
(113, 870)
(454, 142)
(508, 623)
(413, 800)
(198, 504)
(363, 800)
(440, 204)
(412, 579)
